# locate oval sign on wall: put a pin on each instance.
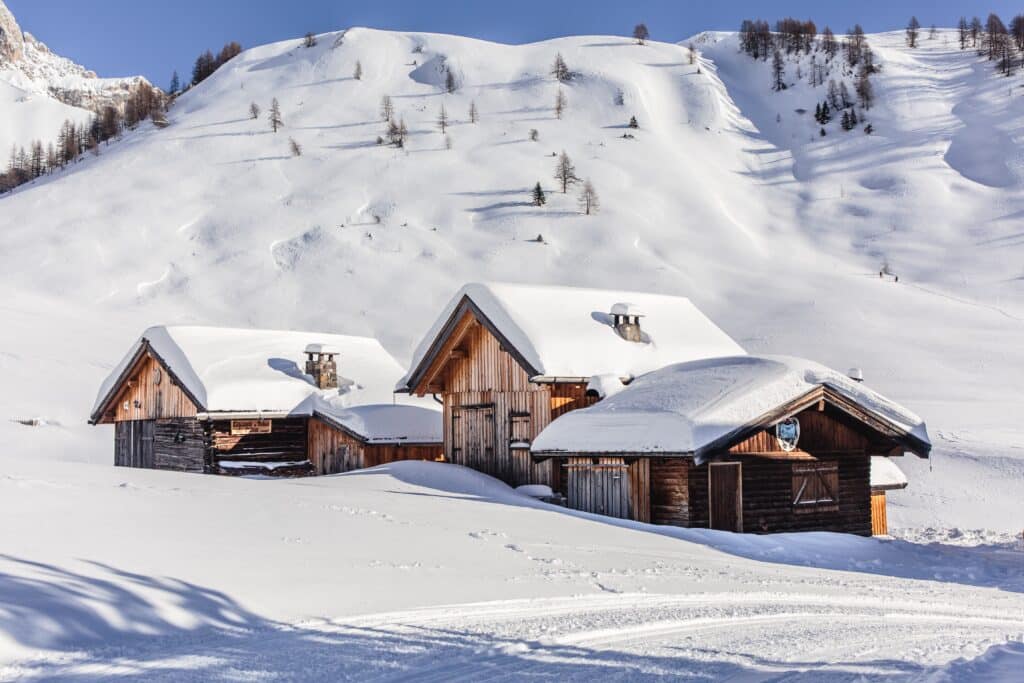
(787, 433)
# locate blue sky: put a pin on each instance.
(123, 37)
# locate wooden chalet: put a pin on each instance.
(506, 360)
(234, 401)
(747, 444)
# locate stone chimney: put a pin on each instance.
(626, 321)
(321, 366)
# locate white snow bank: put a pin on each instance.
(230, 370)
(535, 490)
(885, 474)
(567, 331)
(246, 464)
(689, 406)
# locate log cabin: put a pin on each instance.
(744, 444)
(283, 403)
(506, 360)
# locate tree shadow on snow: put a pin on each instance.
(111, 623)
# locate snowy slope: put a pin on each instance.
(428, 571)
(725, 196)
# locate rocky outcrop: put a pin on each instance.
(30, 65)
(11, 39)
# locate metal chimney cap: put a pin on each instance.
(856, 374)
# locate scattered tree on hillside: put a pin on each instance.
(778, 72)
(538, 195)
(559, 69)
(844, 95)
(448, 142)
(855, 42)
(932, 32)
(588, 201)
(357, 73)
(691, 53)
(913, 27)
(309, 40)
(620, 97)
(534, 135)
(474, 116)
(397, 132)
(275, 115)
(560, 104)
(254, 110)
(175, 84)
(828, 42)
(228, 52)
(1017, 31)
(633, 122)
(756, 38)
(450, 85)
(295, 147)
(442, 119)
(640, 33)
(387, 110)
(865, 93)
(994, 36)
(963, 32)
(565, 172)
(975, 31)
(206, 63)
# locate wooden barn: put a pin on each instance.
(237, 401)
(506, 360)
(744, 443)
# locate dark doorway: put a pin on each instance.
(725, 495)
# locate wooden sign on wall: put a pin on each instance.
(243, 427)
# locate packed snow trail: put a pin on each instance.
(431, 570)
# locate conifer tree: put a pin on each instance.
(295, 147)
(175, 83)
(640, 33)
(565, 172)
(538, 195)
(442, 119)
(913, 27)
(275, 115)
(309, 40)
(633, 122)
(449, 81)
(559, 69)
(778, 72)
(560, 104)
(473, 114)
(357, 73)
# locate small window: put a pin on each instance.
(520, 429)
(815, 486)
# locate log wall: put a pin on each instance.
(179, 444)
(670, 491)
(286, 442)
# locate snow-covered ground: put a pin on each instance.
(431, 571)
(725, 195)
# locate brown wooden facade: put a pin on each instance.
(752, 485)
(157, 425)
(492, 409)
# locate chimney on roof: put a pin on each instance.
(320, 364)
(626, 321)
(856, 374)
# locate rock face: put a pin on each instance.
(28, 64)
(11, 39)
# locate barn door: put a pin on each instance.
(473, 437)
(134, 443)
(725, 495)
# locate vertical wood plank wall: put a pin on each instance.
(332, 450)
(490, 403)
(147, 400)
(879, 516)
(609, 486)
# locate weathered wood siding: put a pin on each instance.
(821, 432)
(133, 443)
(609, 486)
(179, 444)
(879, 515)
(141, 397)
(332, 450)
(492, 412)
(670, 491)
(286, 442)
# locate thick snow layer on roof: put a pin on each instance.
(247, 371)
(885, 474)
(688, 406)
(567, 331)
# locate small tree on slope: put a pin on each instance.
(640, 33)
(913, 28)
(778, 71)
(565, 172)
(538, 195)
(588, 201)
(560, 104)
(275, 115)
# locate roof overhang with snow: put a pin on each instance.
(566, 334)
(703, 408)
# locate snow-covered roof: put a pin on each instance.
(229, 370)
(692, 407)
(885, 474)
(567, 331)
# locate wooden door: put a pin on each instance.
(473, 438)
(134, 443)
(725, 495)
